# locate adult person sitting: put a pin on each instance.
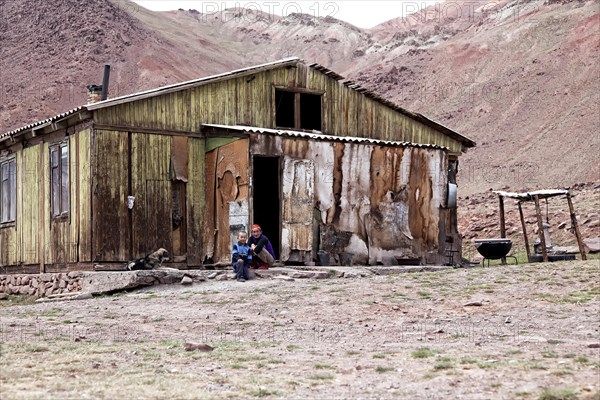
(261, 247)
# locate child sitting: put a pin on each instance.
(241, 257)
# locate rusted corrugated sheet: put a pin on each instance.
(226, 183)
(298, 204)
(377, 202)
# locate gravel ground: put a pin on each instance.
(526, 331)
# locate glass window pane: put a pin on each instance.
(13, 190)
(64, 162)
(55, 192)
(53, 157)
(5, 202)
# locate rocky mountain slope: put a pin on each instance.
(520, 78)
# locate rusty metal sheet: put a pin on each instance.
(179, 158)
(298, 203)
(227, 182)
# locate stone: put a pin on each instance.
(62, 284)
(186, 280)
(284, 278)
(31, 291)
(473, 304)
(34, 282)
(3, 296)
(593, 244)
(212, 275)
(190, 346)
(594, 345)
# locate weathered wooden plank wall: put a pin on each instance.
(36, 237)
(249, 100)
(111, 234)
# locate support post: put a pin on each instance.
(538, 214)
(502, 221)
(524, 231)
(576, 227)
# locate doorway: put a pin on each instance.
(266, 194)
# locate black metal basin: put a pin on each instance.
(493, 249)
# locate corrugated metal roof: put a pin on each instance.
(320, 136)
(542, 194)
(41, 123)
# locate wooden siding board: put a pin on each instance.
(111, 220)
(196, 202)
(346, 112)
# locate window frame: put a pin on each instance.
(63, 209)
(12, 192)
(298, 92)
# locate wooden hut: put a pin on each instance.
(320, 163)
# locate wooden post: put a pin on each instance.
(524, 231)
(502, 221)
(576, 227)
(538, 214)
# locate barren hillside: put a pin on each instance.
(520, 78)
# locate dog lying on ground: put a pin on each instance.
(151, 261)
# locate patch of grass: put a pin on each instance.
(292, 347)
(20, 300)
(382, 370)
(379, 355)
(581, 296)
(260, 392)
(423, 352)
(549, 354)
(468, 361)
(321, 377)
(324, 366)
(352, 353)
(513, 352)
(443, 363)
(424, 295)
(581, 360)
(554, 341)
(558, 394)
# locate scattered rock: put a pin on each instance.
(190, 346)
(186, 280)
(3, 296)
(284, 278)
(594, 345)
(213, 275)
(473, 304)
(593, 244)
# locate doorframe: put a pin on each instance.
(280, 160)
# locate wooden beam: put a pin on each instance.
(502, 221)
(524, 231)
(576, 228)
(538, 214)
(136, 129)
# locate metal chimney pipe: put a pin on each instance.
(105, 79)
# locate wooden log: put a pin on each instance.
(538, 214)
(524, 231)
(502, 221)
(576, 228)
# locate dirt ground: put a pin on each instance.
(398, 336)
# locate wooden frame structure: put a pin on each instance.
(535, 196)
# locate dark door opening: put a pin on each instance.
(266, 198)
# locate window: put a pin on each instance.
(8, 189)
(297, 110)
(59, 177)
